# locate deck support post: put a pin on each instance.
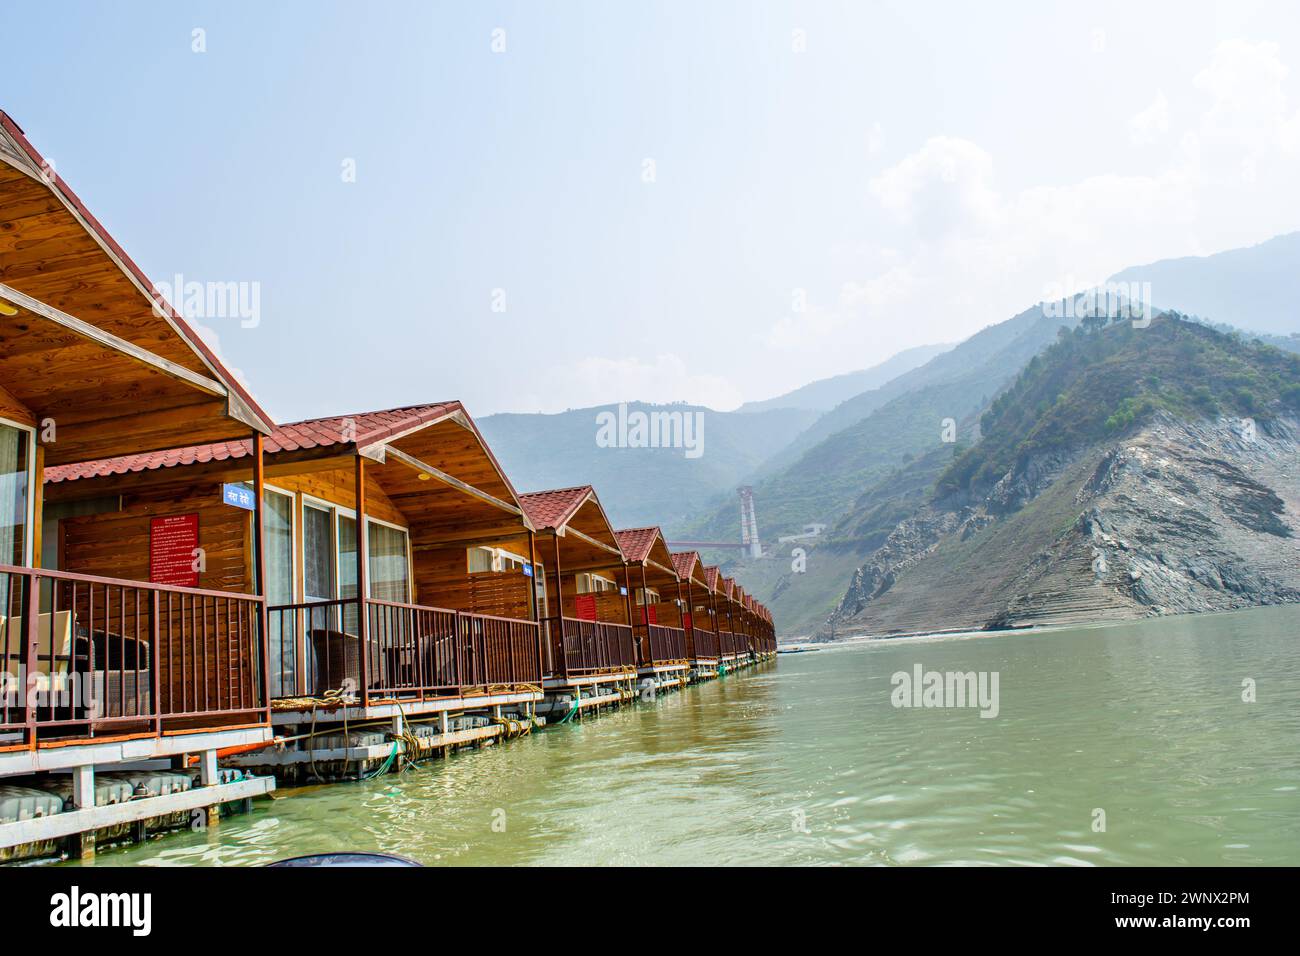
(83, 787)
(208, 769)
(81, 846)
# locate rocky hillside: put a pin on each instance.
(1127, 472)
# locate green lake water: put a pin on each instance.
(809, 762)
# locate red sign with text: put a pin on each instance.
(173, 543)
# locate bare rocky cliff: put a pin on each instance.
(1177, 516)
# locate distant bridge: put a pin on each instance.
(678, 545)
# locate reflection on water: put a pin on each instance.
(1145, 722)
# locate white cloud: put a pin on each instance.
(875, 139)
(970, 253)
(946, 186)
(600, 380)
(1150, 125)
(213, 341)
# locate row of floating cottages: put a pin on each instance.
(196, 602)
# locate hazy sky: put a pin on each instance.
(650, 190)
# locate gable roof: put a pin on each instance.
(711, 577)
(637, 543)
(78, 269)
(551, 509)
(648, 547)
(689, 567)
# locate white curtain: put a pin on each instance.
(388, 570)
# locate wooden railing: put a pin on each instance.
(577, 648)
(413, 652)
(81, 654)
(706, 644)
(664, 644)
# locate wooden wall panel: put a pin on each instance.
(337, 487)
(116, 545)
(441, 579)
(611, 607)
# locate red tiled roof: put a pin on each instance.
(636, 543)
(711, 577)
(684, 562)
(551, 509)
(362, 429)
(728, 586)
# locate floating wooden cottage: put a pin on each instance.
(130, 659)
(398, 561)
(660, 613)
(584, 593)
(733, 648)
(701, 631)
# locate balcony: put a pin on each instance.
(87, 656)
(414, 652)
(584, 648)
(706, 644)
(665, 644)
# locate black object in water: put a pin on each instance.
(347, 859)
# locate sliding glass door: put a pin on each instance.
(16, 466)
(16, 461)
(278, 524)
(329, 544)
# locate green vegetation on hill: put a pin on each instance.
(1101, 379)
(825, 480)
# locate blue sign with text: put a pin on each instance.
(239, 496)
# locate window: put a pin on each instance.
(389, 570)
(318, 553)
(647, 596)
(278, 525)
(593, 583)
(329, 545)
(16, 479)
(483, 559)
